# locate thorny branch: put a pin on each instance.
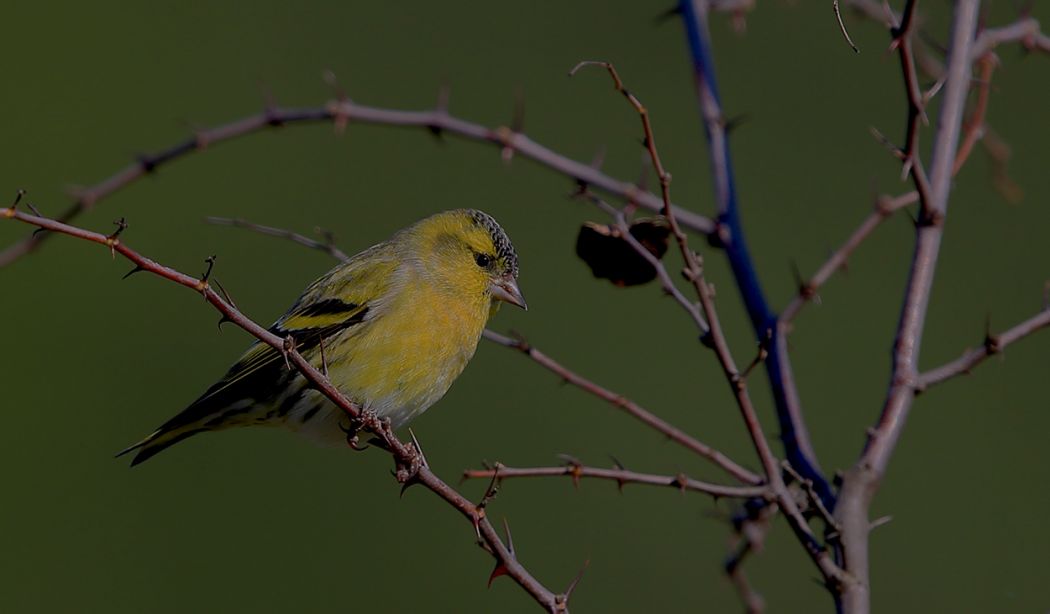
(648, 418)
(715, 339)
(411, 465)
(992, 345)
(341, 112)
(576, 471)
(637, 411)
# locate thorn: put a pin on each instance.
(226, 297)
(137, 269)
(39, 231)
(575, 582)
(732, 123)
(147, 163)
(886, 142)
(18, 198)
(289, 346)
(419, 448)
(441, 110)
(934, 89)
(351, 436)
(643, 174)
(444, 94)
(210, 260)
(992, 343)
(669, 14)
(878, 522)
(112, 239)
(339, 117)
(619, 482)
(517, 123)
(35, 211)
(324, 360)
(273, 118)
(501, 568)
(492, 490)
(510, 538)
(598, 159)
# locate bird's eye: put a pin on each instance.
(483, 260)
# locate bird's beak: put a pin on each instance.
(506, 289)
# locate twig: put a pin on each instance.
(993, 344)
(326, 246)
(411, 468)
(577, 471)
(637, 411)
(1025, 31)
(346, 111)
(884, 207)
(842, 25)
(750, 530)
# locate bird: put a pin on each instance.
(394, 326)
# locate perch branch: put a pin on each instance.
(411, 468)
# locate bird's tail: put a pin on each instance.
(157, 442)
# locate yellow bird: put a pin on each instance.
(397, 323)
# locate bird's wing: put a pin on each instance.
(334, 303)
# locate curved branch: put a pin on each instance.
(340, 113)
(411, 465)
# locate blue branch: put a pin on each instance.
(731, 238)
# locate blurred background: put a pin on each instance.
(259, 520)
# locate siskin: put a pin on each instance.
(397, 324)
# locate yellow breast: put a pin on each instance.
(406, 358)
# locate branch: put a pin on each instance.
(730, 233)
(637, 411)
(340, 113)
(861, 482)
(519, 344)
(327, 246)
(884, 208)
(993, 344)
(576, 471)
(692, 264)
(715, 339)
(1025, 31)
(751, 527)
(411, 466)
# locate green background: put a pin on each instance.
(255, 519)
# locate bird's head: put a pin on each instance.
(467, 253)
